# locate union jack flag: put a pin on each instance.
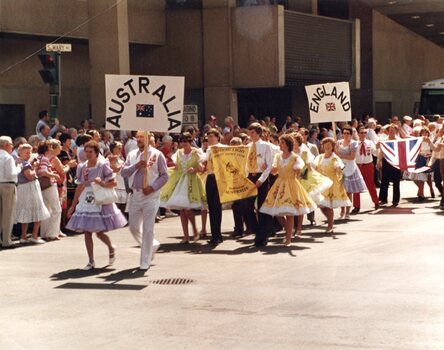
(402, 153)
(330, 106)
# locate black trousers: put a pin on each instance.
(262, 224)
(214, 207)
(437, 179)
(238, 216)
(390, 174)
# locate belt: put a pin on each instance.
(365, 164)
(7, 182)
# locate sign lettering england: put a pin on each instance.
(140, 102)
(329, 102)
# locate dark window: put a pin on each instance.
(245, 3)
(12, 120)
(333, 8)
(183, 4)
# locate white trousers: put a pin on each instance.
(50, 228)
(142, 215)
(8, 199)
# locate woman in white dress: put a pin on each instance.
(30, 206)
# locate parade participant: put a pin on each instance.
(330, 165)
(48, 177)
(353, 181)
(30, 205)
(389, 172)
(87, 216)
(145, 199)
(259, 163)
(116, 162)
(439, 154)
(185, 190)
(214, 205)
(312, 181)
(287, 198)
(364, 159)
(8, 198)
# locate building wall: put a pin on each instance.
(402, 61)
(23, 84)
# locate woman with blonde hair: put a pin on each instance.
(330, 165)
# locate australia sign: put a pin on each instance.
(140, 102)
(329, 102)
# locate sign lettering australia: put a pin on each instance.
(137, 102)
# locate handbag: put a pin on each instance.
(103, 195)
(45, 182)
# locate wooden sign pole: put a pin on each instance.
(334, 130)
(145, 155)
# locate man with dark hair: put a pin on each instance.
(259, 163)
(214, 205)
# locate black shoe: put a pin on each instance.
(214, 242)
(395, 204)
(261, 243)
(382, 202)
(237, 234)
(376, 206)
(355, 210)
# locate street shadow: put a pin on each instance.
(101, 286)
(318, 234)
(79, 273)
(128, 274)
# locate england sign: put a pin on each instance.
(141, 102)
(329, 102)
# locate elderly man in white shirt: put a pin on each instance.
(259, 165)
(8, 197)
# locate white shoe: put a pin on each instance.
(36, 241)
(170, 214)
(23, 241)
(112, 258)
(156, 245)
(90, 266)
(347, 217)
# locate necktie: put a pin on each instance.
(362, 149)
(252, 159)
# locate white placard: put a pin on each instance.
(329, 102)
(141, 102)
(58, 47)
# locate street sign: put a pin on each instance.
(58, 48)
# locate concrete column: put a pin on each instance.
(220, 98)
(108, 48)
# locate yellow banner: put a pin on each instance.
(229, 165)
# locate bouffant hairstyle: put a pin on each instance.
(185, 137)
(298, 138)
(347, 128)
(94, 146)
(328, 140)
(288, 139)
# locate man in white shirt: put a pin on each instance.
(364, 159)
(259, 165)
(131, 143)
(8, 197)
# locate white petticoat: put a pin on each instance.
(179, 198)
(30, 205)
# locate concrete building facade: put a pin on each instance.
(238, 57)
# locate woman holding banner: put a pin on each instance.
(185, 190)
(287, 198)
(330, 165)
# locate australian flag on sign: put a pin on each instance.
(144, 111)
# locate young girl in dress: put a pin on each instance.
(287, 198)
(185, 190)
(85, 214)
(330, 165)
(30, 205)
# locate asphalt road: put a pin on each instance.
(379, 285)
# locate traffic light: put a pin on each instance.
(50, 71)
